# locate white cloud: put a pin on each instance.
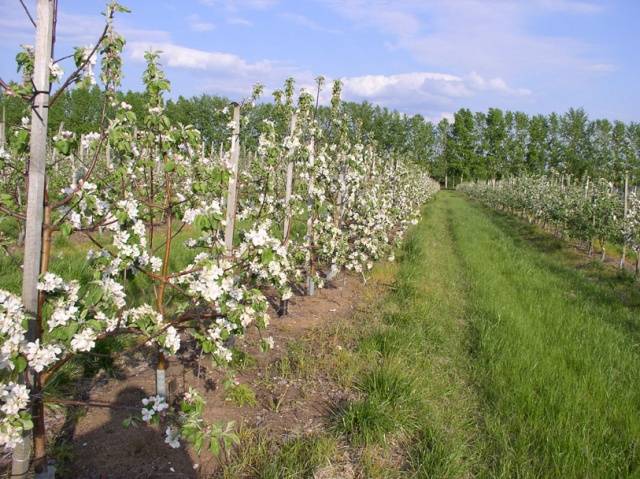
(388, 16)
(197, 24)
(496, 84)
(489, 36)
(571, 6)
(306, 22)
(193, 59)
(217, 72)
(380, 85)
(424, 91)
(430, 93)
(239, 5)
(602, 67)
(243, 22)
(233, 11)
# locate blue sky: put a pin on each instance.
(418, 56)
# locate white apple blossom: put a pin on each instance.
(84, 340)
(55, 71)
(10, 436)
(89, 138)
(131, 208)
(356, 201)
(41, 357)
(156, 264)
(51, 282)
(153, 405)
(15, 397)
(62, 314)
(172, 437)
(114, 291)
(172, 340)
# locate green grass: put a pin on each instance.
(296, 458)
(296, 363)
(498, 351)
(240, 395)
(555, 354)
(415, 398)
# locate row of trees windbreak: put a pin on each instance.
(472, 146)
(204, 231)
(498, 144)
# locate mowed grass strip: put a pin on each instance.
(416, 413)
(493, 356)
(555, 356)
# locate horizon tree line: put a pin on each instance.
(475, 146)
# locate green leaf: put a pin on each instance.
(20, 363)
(64, 333)
(21, 141)
(27, 423)
(94, 324)
(120, 8)
(63, 146)
(201, 223)
(267, 256)
(78, 55)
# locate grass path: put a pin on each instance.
(555, 359)
(495, 357)
(416, 382)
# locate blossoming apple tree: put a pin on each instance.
(136, 193)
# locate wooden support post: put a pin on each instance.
(35, 211)
(81, 151)
(73, 162)
(161, 376)
(288, 188)
(311, 266)
(337, 215)
(586, 188)
(3, 129)
(108, 156)
(233, 182)
(626, 209)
